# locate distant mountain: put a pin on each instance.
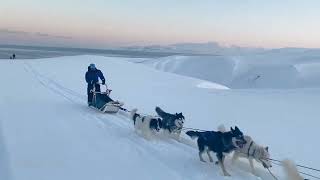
(209, 48)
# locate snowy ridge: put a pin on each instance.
(56, 136)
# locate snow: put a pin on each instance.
(48, 132)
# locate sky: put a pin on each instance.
(113, 23)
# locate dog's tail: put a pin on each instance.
(160, 112)
(222, 128)
(291, 170)
(193, 134)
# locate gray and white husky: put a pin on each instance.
(251, 151)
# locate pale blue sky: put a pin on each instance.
(104, 23)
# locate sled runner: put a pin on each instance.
(102, 101)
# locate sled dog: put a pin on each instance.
(172, 123)
(218, 142)
(251, 150)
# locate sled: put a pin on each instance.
(102, 101)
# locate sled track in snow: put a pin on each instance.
(55, 87)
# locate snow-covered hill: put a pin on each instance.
(275, 69)
(48, 132)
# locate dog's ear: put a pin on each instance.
(236, 128)
(231, 129)
(267, 149)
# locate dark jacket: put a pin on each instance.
(92, 76)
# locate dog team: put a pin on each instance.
(221, 142)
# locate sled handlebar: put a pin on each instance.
(108, 91)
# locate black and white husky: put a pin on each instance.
(172, 123)
(146, 125)
(218, 142)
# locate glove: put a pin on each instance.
(103, 82)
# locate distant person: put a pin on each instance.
(14, 56)
(92, 77)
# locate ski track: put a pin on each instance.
(120, 124)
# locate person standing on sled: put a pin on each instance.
(92, 77)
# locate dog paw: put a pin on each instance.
(202, 160)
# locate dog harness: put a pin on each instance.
(254, 151)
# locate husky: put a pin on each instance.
(172, 123)
(251, 151)
(291, 170)
(218, 142)
(146, 125)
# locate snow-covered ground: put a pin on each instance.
(48, 132)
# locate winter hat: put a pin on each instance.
(92, 66)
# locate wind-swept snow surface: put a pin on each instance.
(49, 133)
